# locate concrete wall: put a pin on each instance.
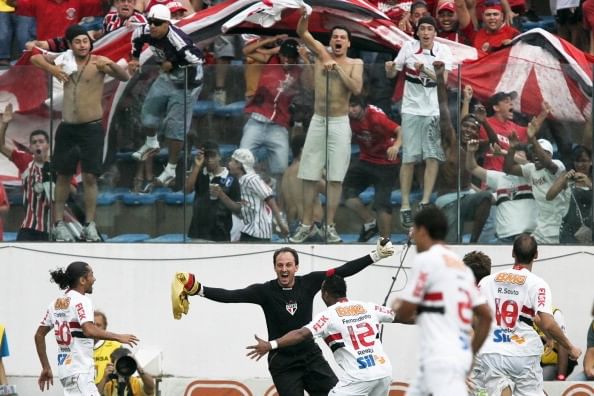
(133, 289)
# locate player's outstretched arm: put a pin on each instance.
(46, 377)
(93, 331)
(549, 326)
(293, 337)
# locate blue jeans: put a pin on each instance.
(17, 27)
(271, 136)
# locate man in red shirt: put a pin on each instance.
(55, 16)
(495, 32)
(502, 108)
(379, 140)
(453, 26)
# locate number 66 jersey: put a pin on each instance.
(515, 296)
(66, 315)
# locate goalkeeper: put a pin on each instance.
(287, 302)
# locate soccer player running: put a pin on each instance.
(442, 294)
(71, 316)
(510, 359)
(287, 302)
(350, 329)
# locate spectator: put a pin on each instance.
(516, 210)
(80, 135)
(421, 139)
(123, 15)
(54, 17)
(292, 191)
(177, 9)
(588, 373)
(453, 25)
(257, 200)
(217, 196)
(576, 226)
(4, 207)
(33, 168)
(479, 263)
(495, 33)
(141, 385)
(409, 21)
(541, 174)
(102, 350)
(166, 104)
(517, 296)
(253, 66)
(13, 28)
(328, 141)
(569, 15)
(501, 107)
(379, 140)
(454, 188)
(555, 362)
(269, 116)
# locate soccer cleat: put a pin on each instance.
(145, 151)
(90, 233)
(366, 235)
(331, 236)
(406, 219)
(61, 233)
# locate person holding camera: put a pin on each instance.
(119, 379)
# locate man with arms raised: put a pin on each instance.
(287, 302)
(328, 142)
(80, 134)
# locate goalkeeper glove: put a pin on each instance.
(183, 284)
(382, 250)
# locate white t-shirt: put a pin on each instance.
(350, 329)
(419, 99)
(516, 210)
(66, 315)
(445, 291)
(515, 296)
(550, 213)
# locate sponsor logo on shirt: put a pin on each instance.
(80, 310)
(320, 323)
(542, 297)
(350, 310)
(502, 335)
(62, 303)
(506, 277)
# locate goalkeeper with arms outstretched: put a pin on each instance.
(287, 302)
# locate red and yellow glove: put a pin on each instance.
(184, 284)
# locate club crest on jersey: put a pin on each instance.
(291, 307)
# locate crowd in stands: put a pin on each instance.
(503, 174)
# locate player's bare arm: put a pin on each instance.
(550, 327)
(404, 312)
(291, 338)
(109, 67)
(46, 377)
(482, 314)
(91, 330)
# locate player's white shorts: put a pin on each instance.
(522, 374)
(440, 378)
(377, 387)
(82, 384)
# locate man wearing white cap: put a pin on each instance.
(541, 173)
(257, 200)
(167, 106)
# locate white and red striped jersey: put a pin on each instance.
(66, 315)
(37, 204)
(351, 330)
(444, 290)
(113, 21)
(515, 296)
(255, 213)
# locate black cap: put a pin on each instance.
(289, 48)
(211, 147)
(499, 96)
(74, 31)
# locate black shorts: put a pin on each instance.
(79, 142)
(294, 373)
(566, 16)
(363, 174)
